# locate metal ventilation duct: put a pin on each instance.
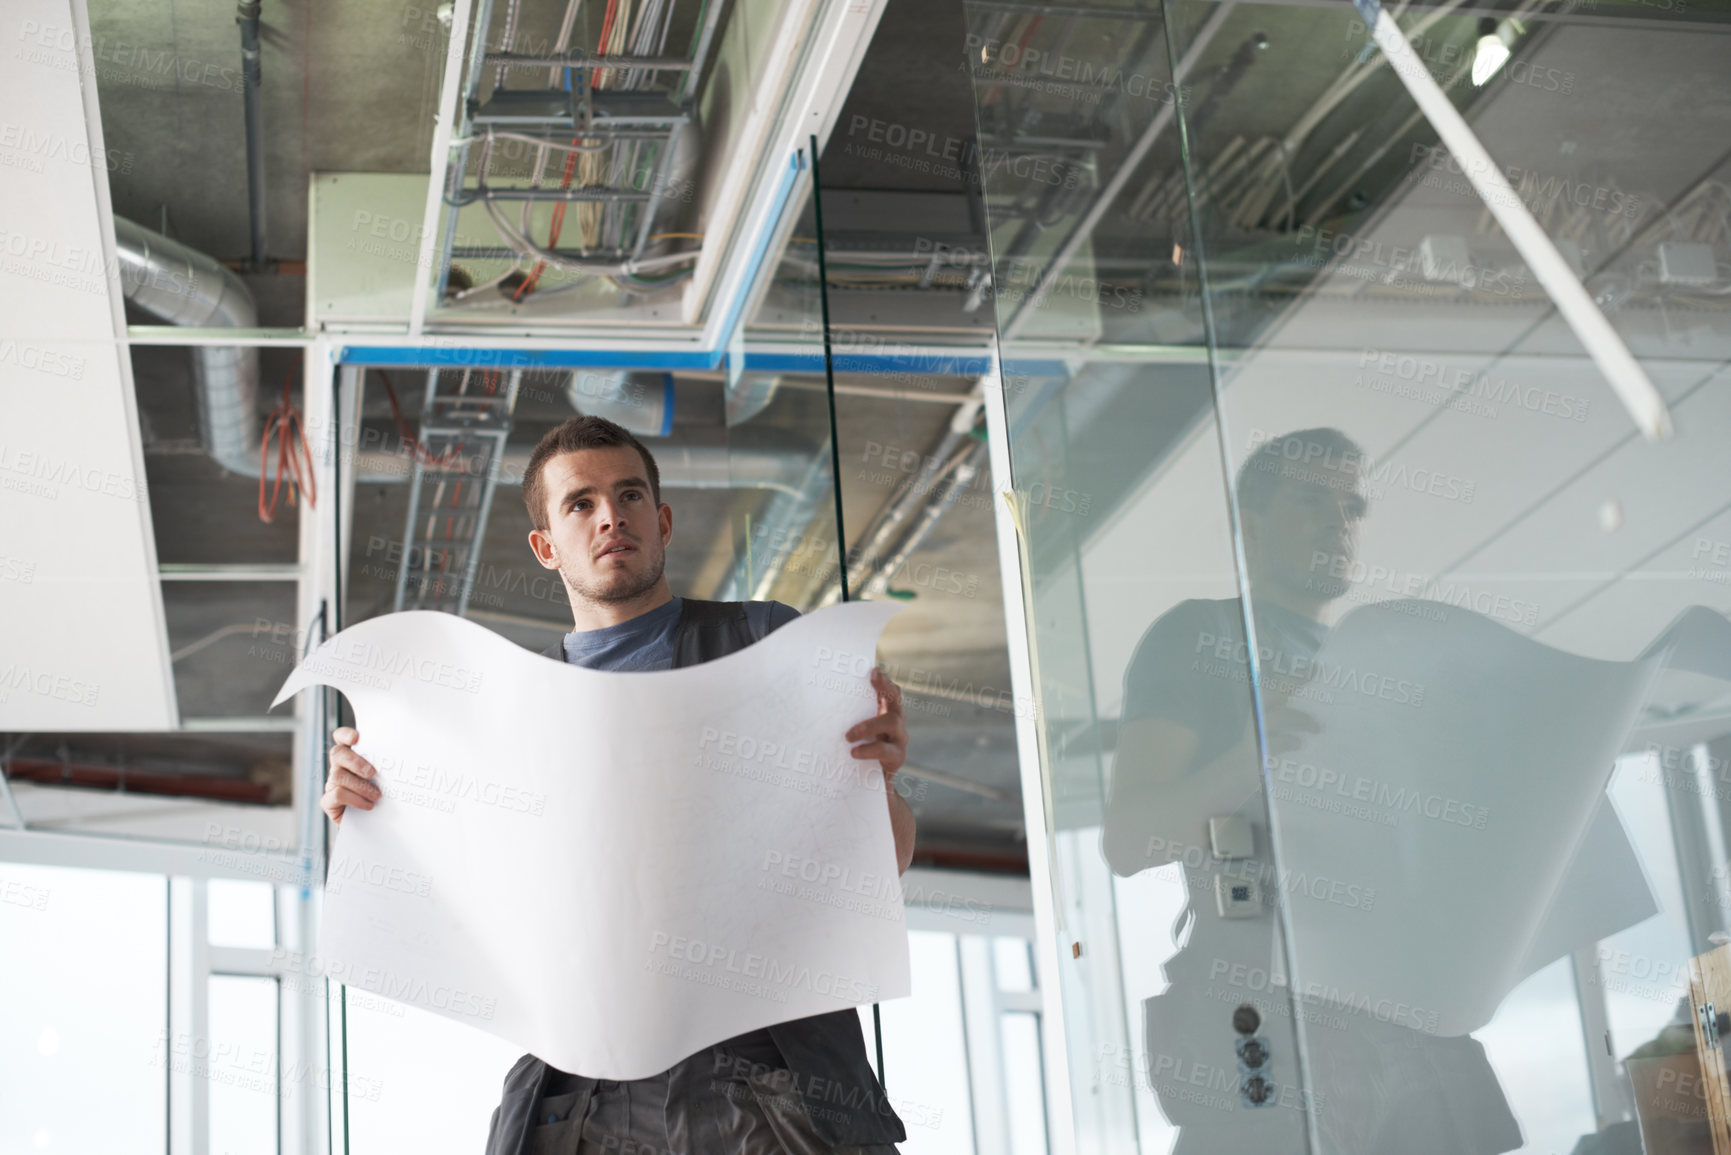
(641, 402)
(749, 394)
(184, 287)
(779, 463)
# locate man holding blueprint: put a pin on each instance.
(593, 493)
(1187, 794)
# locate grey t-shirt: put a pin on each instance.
(1191, 668)
(646, 641)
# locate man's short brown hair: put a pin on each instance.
(568, 437)
(1323, 457)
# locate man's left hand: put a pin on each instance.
(885, 737)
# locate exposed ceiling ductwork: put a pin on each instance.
(184, 287)
(181, 286)
(778, 463)
(641, 402)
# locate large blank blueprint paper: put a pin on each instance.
(613, 870)
(1473, 805)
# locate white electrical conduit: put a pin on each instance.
(1325, 205)
(1625, 375)
(561, 43)
(1293, 196)
(493, 134)
(529, 250)
(592, 218)
(1108, 194)
(507, 40)
(1366, 163)
(1343, 86)
(649, 35)
(588, 215)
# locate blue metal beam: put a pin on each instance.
(454, 357)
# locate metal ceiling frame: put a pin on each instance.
(579, 110)
(834, 36)
(818, 45)
(1030, 754)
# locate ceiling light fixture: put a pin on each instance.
(1646, 405)
(1495, 42)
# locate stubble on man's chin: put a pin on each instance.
(613, 594)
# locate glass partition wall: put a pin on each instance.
(764, 505)
(1380, 652)
(234, 1036)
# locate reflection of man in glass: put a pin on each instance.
(1187, 789)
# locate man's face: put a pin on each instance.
(605, 534)
(1306, 538)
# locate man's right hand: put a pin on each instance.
(351, 781)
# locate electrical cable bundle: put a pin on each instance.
(591, 163)
(294, 458)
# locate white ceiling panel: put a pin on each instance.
(1664, 493)
(1541, 481)
(80, 604)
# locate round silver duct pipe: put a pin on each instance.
(182, 286)
(750, 394)
(642, 402)
(777, 463)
